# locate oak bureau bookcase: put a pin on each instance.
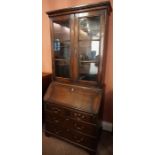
(72, 101)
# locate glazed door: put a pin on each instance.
(61, 32)
(78, 46)
(90, 31)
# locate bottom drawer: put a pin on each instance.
(82, 139)
(53, 128)
(71, 135)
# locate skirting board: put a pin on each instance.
(107, 126)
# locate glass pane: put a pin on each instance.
(89, 50)
(61, 50)
(62, 29)
(89, 28)
(61, 46)
(62, 69)
(88, 71)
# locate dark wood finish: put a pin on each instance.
(88, 14)
(52, 46)
(72, 120)
(81, 8)
(73, 117)
(74, 46)
(103, 48)
(46, 80)
(78, 97)
(80, 128)
(72, 104)
(71, 112)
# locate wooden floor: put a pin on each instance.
(53, 146)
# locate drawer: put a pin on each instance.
(66, 122)
(53, 118)
(81, 116)
(71, 135)
(52, 128)
(58, 119)
(82, 139)
(88, 129)
(72, 113)
(54, 109)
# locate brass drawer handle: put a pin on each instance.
(56, 110)
(57, 132)
(75, 114)
(83, 116)
(79, 115)
(78, 127)
(78, 140)
(72, 89)
(56, 121)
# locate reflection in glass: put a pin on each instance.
(61, 46)
(61, 30)
(89, 28)
(89, 43)
(89, 50)
(61, 50)
(88, 71)
(62, 69)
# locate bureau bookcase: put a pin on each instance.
(73, 99)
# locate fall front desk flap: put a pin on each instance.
(81, 98)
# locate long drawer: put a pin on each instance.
(72, 113)
(67, 122)
(71, 135)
